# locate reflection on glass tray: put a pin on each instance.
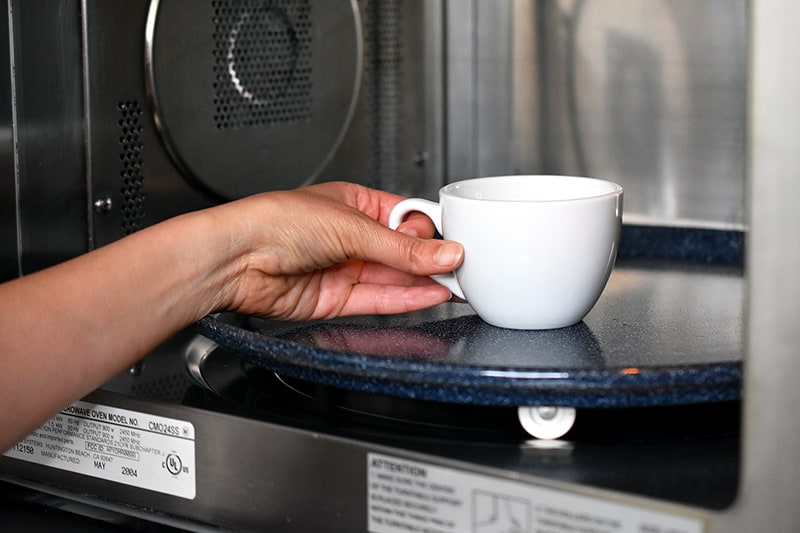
(661, 334)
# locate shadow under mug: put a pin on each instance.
(538, 249)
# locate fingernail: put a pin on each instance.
(407, 230)
(449, 254)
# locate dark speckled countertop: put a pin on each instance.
(666, 331)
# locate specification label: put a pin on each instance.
(408, 496)
(138, 449)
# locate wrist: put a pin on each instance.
(219, 249)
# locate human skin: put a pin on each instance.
(312, 253)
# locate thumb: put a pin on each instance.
(449, 255)
(421, 256)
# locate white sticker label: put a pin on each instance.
(138, 449)
(408, 496)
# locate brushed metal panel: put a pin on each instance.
(650, 94)
(49, 112)
(394, 140)
(653, 95)
(114, 63)
(768, 497)
(9, 252)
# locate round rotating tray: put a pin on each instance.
(660, 335)
(256, 95)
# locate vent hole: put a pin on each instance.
(262, 62)
(132, 181)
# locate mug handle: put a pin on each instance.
(434, 212)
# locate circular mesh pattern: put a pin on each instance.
(130, 124)
(262, 62)
(253, 95)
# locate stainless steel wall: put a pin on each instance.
(46, 164)
(394, 141)
(9, 253)
(651, 94)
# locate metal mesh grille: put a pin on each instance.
(262, 62)
(131, 189)
(168, 388)
(382, 83)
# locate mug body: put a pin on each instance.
(538, 249)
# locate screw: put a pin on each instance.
(103, 205)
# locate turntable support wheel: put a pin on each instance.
(546, 422)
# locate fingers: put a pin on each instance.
(374, 203)
(449, 255)
(327, 252)
(370, 299)
(417, 225)
(358, 288)
(427, 256)
(410, 248)
(408, 254)
(382, 275)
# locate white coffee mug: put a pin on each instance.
(538, 250)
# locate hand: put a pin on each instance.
(317, 252)
(325, 251)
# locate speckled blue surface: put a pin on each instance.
(667, 331)
(694, 245)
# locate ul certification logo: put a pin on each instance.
(173, 464)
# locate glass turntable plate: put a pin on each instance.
(663, 333)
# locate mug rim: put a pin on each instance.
(450, 188)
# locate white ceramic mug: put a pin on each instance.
(538, 250)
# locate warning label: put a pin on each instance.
(128, 447)
(407, 496)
